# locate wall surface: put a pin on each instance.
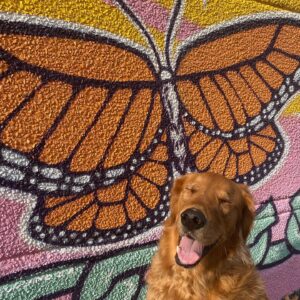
(103, 103)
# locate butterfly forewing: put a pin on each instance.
(90, 113)
(83, 131)
(237, 79)
(91, 57)
(231, 83)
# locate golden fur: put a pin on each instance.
(227, 271)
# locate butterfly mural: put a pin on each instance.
(97, 126)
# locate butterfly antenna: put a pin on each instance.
(130, 14)
(174, 22)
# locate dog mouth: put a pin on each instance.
(190, 252)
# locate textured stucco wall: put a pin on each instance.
(102, 103)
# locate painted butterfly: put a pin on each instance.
(97, 126)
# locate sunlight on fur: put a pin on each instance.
(202, 252)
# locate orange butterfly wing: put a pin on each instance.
(29, 125)
(84, 111)
(246, 159)
(232, 82)
(81, 125)
(110, 213)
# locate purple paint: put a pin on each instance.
(282, 279)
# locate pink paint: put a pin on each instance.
(284, 211)
(154, 15)
(286, 181)
(16, 255)
(11, 245)
(278, 230)
(31, 261)
(282, 279)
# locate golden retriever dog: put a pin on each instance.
(202, 253)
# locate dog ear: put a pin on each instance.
(248, 211)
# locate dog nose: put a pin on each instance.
(193, 219)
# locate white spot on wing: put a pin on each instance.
(115, 172)
(282, 90)
(14, 158)
(165, 75)
(297, 76)
(11, 174)
(52, 173)
(47, 186)
(76, 188)
(82, 179)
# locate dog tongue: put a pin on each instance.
(189, 251)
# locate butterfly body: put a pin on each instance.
(176, 130)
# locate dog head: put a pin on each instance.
(208, 210)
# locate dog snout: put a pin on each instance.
(193, 219)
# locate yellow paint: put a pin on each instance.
(293, 107)
(217, 11)
(99, 14)
(93, 13)
(158, 36)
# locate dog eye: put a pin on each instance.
(191, 189)
(225, 205)
(224, 200)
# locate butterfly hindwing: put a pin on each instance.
(246, 159)
(118, 209)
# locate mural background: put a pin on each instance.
(36, 267)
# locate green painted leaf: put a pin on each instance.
(293, 227)
(258, 249)
(125, 289)
(293, 232)
(295, 204)
(276, 253)
(41, 283)
(264, 219)
(142, 294)
(102, 274)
